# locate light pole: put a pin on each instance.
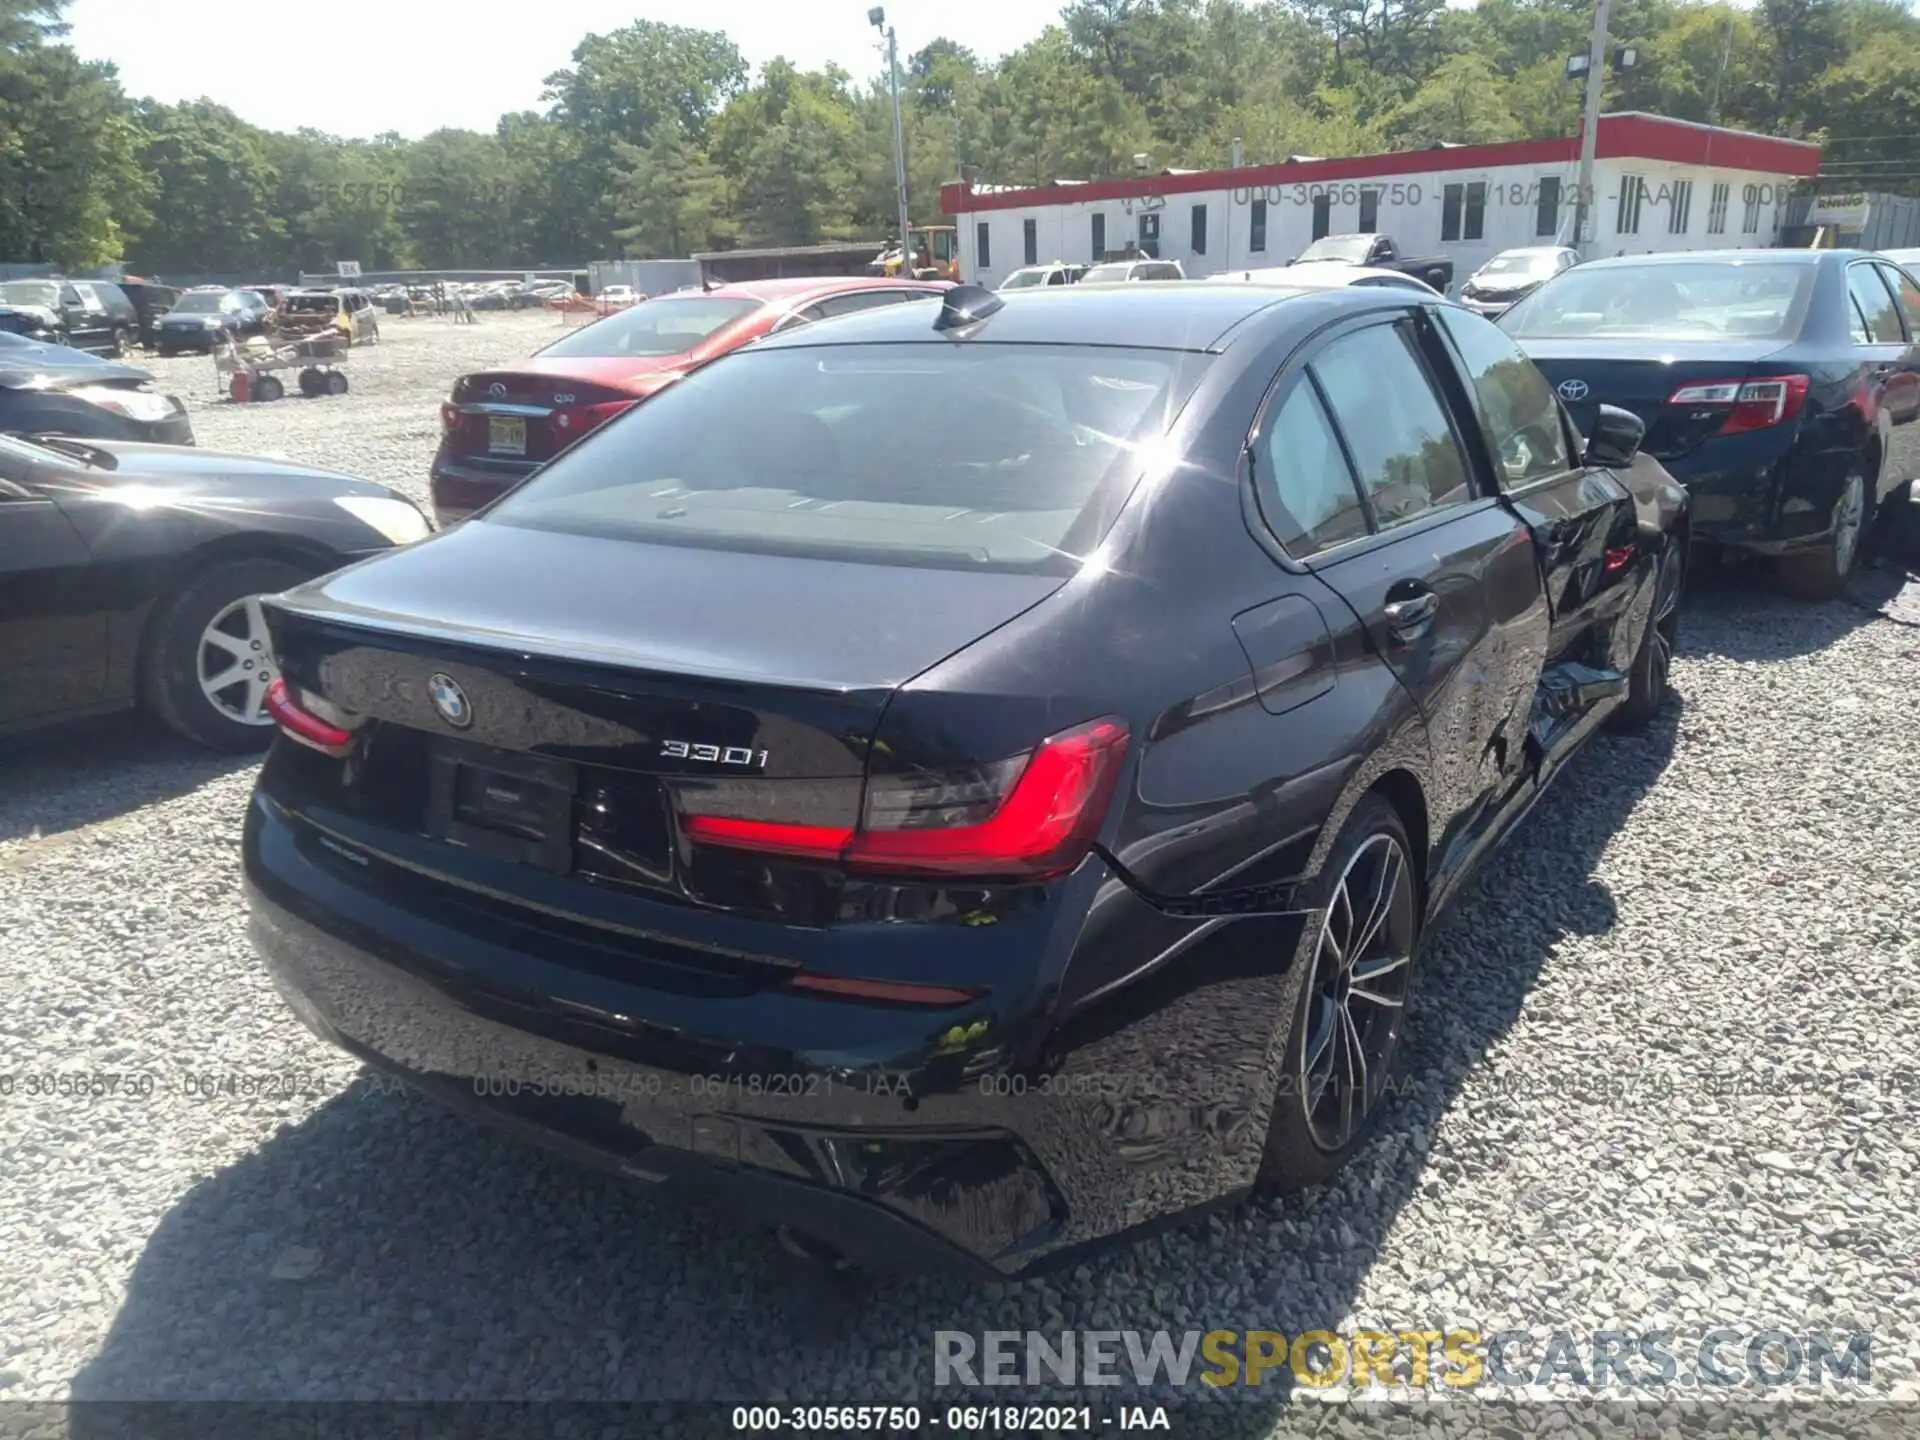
(1590, 124)
(877, 17)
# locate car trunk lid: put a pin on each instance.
(605, 690)
(1642, 375)
(529, 414)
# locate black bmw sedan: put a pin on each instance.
(1778, 386)
(959, 834)
(130, 577)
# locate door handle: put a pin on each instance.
(1411, 617)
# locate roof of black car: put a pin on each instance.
(1162, 315)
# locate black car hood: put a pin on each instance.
(181, 472)
(31, 365)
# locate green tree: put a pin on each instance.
(669, 199)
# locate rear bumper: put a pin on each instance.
(460, 487)
(872, 1128)
(1750, 495)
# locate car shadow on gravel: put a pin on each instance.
(383, 1248)
(1737, 610)
(80, 774)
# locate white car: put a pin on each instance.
(1113, 271)
(618, 295)
(1907, 260)
(1032, 276)
(1325, 277)
(1512, 275)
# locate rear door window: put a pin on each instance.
(1021, 465)
(1304, 484)
(1906, 293)
(1394, 425)
(1877, 306)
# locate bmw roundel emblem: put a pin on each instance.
(1573, 389)
(450, 701)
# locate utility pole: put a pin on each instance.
(878, 18)
(1590, 125)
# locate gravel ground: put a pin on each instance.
(1722, 903)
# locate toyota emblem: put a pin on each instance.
(450, 701)
(497, 390)
(1573, 389)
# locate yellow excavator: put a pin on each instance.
(936, 255)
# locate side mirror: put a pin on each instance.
(1616, 437)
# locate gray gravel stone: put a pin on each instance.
(1662, 1071)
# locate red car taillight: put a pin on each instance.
(449, 415)
(298, 723)
(570, 425)
(1028, 818)
(1751, 404)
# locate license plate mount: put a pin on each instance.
(506, 435)
(498, 803)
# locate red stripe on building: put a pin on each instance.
(1625, 136)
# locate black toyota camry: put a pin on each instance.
(1778, 386)
(960, 833)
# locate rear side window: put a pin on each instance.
(1907, 291)
(1877, 306)
(1395, 426)
(1516, 405)
(1305, 486)
(1027, 455)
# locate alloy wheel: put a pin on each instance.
(1848, 518)
(1357, 991)
(235, 661)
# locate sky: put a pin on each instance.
(467, 61)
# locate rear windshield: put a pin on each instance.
(1024, 279)
(1100, 274)
(30, 292)
(1019, 463)
(1704, 301)
(313, 304)
(203, 304)
(660, 327)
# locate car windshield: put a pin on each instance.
(1348, 249)
(203, 303)
(1517, 263)
(312, 304)
(1704, 300)
(1024, 279)
(660, 327)
(30, 292)
(1018, 467)
(1120, 270)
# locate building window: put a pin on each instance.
(1626, 220)
(1750, 222)
(1546, 216)
(1257, 241)
(1030, 238)
(1322, 215)
(1099, 237)
(1199, 229)
(982, 250)
(1451, 199)
(1679, 207)
(1369, 212)
(1476, 222)
(1717, 209)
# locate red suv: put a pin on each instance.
(502, 425)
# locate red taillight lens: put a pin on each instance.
(449, 415)
(298, 723)
(1617, 559)
(1027, 818)
(1751, 404)
(572, 424)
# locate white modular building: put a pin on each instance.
(1658, 184)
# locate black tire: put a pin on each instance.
(1298, 1153)
(311, 382)
(336, 383)
(171, 664)
(1897, 526)
(119, 345)
(268, 387)
(1822, 574)
(1647, 680)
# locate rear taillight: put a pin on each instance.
(1751, 404)
(449, 415)
(1027, 818)
(298, 723)
(573, 423)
